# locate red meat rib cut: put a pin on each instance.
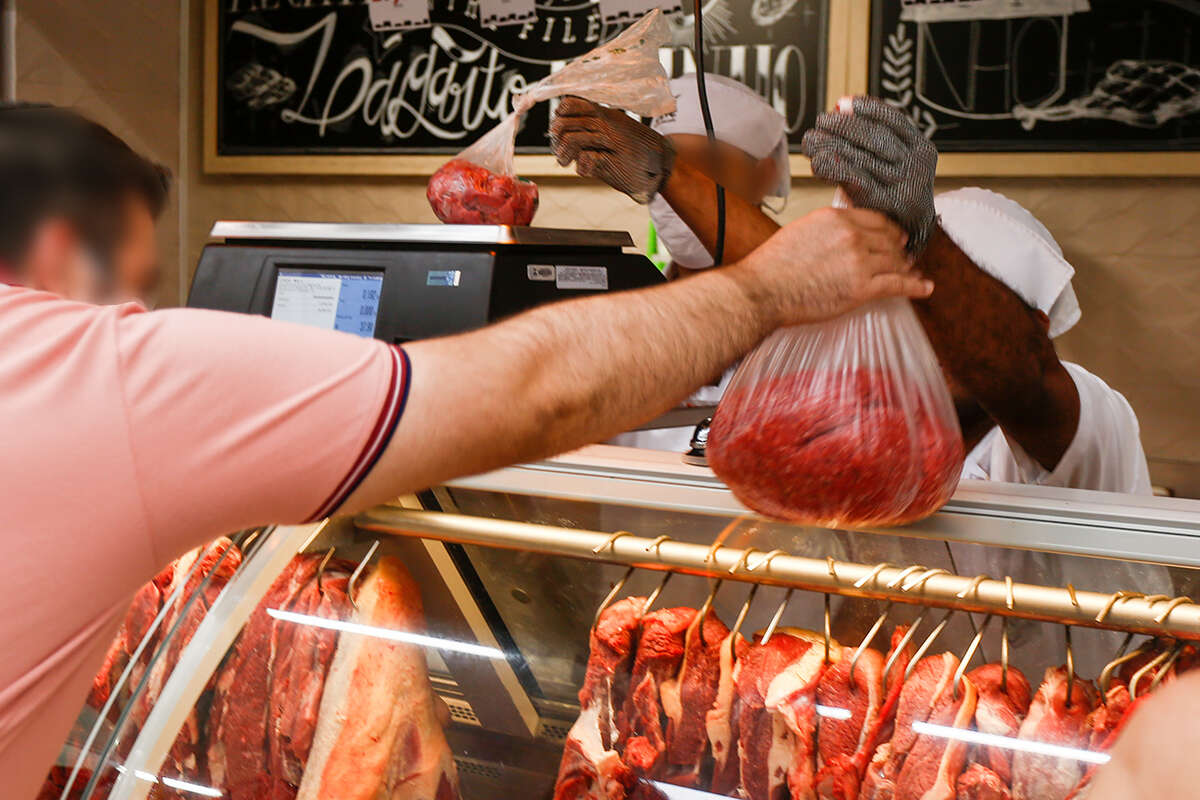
(659, 654)
(932, 767)
(840, 740)
(792, 701)
(1051, 721)
(721, 721)
(591, 768)
(687, 698)
(999, 712)
(762, 769)
(980, 783)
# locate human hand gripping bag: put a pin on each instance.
(845, 423)
(479, 186)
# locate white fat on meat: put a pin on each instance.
(378, 736)
(1050, 721)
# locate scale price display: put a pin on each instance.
(335, 301)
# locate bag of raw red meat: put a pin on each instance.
(844, 423)
(479, 186)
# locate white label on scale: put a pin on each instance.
(590, 278)
(506, 12)
(629, 10)
(541, 272)
(398, 15)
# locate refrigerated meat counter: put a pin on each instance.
(436, 647)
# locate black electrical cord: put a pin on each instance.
(719, 253)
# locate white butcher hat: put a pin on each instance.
(1008, 243)
(740, 118)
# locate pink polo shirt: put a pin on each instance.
(128, 438)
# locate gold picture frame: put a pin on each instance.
(1142, 164)
(838, 74)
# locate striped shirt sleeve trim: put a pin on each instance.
(381, 434)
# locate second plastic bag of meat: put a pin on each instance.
(845, 423)
(480, 187)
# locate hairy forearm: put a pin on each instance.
(693, 196)
(996, 349)
(543, 382)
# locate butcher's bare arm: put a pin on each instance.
(995, 347)
(572, 373)
(693, 196)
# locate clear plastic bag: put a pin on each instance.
(843, 423)
(479, 185)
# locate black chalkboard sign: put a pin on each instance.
(1042, 75)
(314, 79)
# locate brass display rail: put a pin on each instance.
(1126, 610)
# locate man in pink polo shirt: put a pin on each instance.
(129, 437)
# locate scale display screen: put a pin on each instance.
(333, 300)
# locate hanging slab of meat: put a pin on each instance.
(304, 654)
(591, 768)
(762, 763)
(1052, 720)
(999, 712)
(215, 565)
(792, 701)
(687, 698)
(378, 733)
(1105, 725)
(720, 724)
(924, 691)
(980, 783)
(874, 761)
(840, 740)
(238, 749)
(659, 655)
(934, 763)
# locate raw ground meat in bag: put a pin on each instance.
(844, 423)
(480, 187)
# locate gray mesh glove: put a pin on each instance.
(882, 161)
(607, 144)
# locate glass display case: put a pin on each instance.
(613, 624)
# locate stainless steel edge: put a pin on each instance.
(233, 230)
(1069, 522)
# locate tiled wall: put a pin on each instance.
(1135, 243)
(118, 62)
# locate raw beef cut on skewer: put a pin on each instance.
(839, 740)
(1052, 721)
(591, 768)
(238, 748)
(1105, 725)
(932, 767)
(792, 701)
(873, 755)
(920, 696)
(720, 722)
(378, 733)
(980, 783)
(304, 654)
(999, 712)
(687, 698)
(659, 655)
(764, 755)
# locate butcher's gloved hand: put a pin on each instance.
(882, 161)
(607, 144)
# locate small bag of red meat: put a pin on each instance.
(843, 423)
(479, 186)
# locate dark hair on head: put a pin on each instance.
(55, 162)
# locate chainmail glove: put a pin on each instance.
(882, 161)
(607, 144)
